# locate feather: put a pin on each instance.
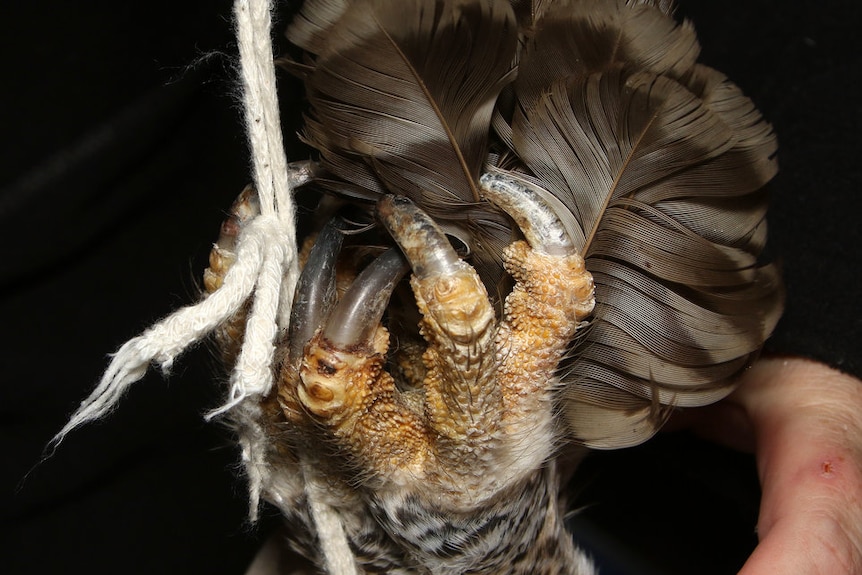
(660, 163)
(579, 37)
(529, 11)
(311, 26)
(401, 101)
(655, 164)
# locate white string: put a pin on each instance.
(163, 342)
(271, 176)
(338, 558)
(263, 122)
(252, 375)
(263, 127)
(266, 253)
(266, 269)
(253, 445)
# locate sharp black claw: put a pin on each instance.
(355, 318)
(315, 290)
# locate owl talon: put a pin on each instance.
(417, 235)
(526, 203)
(448, 290)
(357, 315)
(315, 290)
(473, 425)
(229, 336)
(340, 373)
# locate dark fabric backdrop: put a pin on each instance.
(123, 146)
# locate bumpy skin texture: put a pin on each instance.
(455, 475)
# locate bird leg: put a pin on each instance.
(447, 475)
(434, 461)
(488, 388)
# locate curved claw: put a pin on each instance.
(519, 198)
(315, 291)
(302, 172)
(341, 368)
(355, 318)
(421, 240)
(244, 209)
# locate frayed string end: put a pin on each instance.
(258, 263)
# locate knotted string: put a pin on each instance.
(266, 269)
(266, 265)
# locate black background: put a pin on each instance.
(122, 146)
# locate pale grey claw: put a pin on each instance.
(424, 244)
(520, 199)
(315, 290)
(355, 318)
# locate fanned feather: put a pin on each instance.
(578, 37)
(402, 97)
(655, 164)
(311, 26)
(660, 163)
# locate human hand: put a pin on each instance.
(804, 421)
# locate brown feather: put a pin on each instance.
(575, 38)
(655, 164)
(404, 96)
(660, 163)
(311, 26)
